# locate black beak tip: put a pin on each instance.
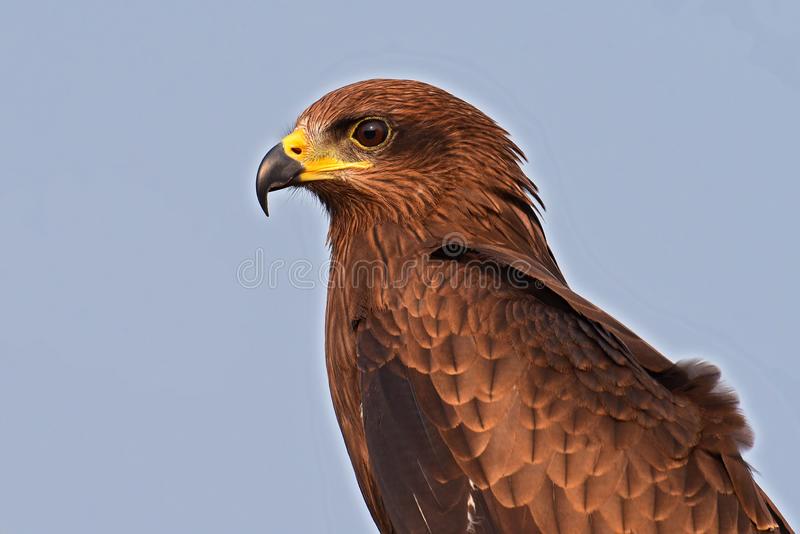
(262, 200)
(277, 170)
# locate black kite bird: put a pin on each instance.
(476, 392)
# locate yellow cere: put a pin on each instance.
(295, 145)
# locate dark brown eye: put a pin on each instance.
(371, 132)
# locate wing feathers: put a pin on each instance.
(545, 418)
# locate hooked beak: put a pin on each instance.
(277, 170)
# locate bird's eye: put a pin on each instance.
(370, 133)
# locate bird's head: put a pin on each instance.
(392, 150)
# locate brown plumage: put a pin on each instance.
(476, 392)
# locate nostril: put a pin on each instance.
(297, 150)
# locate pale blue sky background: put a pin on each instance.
(143, 389)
